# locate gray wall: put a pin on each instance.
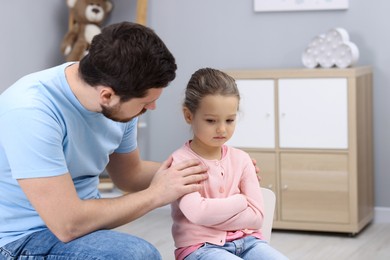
(225, 34)
(30, 32)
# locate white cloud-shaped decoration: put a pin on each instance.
(331, 49)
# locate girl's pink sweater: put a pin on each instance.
(230, 202)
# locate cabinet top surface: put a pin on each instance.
(299, 72)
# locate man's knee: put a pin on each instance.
(124, 246)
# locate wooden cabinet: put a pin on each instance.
(310, 131)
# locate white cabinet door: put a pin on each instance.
(256, 118)
(313, 113)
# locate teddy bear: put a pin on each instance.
(86, 17)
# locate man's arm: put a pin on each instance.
(69, 217)
(129, 173)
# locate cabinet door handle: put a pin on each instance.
(270, 186)
(285, 187)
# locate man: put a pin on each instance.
(61, 127)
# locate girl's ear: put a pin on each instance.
(187, 115)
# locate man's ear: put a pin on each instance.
(107, 95)
(187, 115)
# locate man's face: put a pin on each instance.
(126, 111)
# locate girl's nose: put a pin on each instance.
(221, 128)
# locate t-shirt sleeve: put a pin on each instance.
(32, 141)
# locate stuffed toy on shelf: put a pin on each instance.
(85, 19)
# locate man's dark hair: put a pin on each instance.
(130, 58)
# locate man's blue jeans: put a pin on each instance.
(103, 244)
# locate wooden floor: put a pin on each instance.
(373, 243)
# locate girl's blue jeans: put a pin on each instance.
(99, 245)
(249, 248)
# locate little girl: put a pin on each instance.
(224, 220)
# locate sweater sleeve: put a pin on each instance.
(252, 217)
(207, 211)
(211, 211)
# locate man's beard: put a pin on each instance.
(110, 113)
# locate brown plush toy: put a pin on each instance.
(86, 16)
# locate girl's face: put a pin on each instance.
(214, 122)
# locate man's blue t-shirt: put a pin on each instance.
(45, 131)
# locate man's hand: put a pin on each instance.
(172, 182)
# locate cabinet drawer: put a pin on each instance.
(314, 187)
